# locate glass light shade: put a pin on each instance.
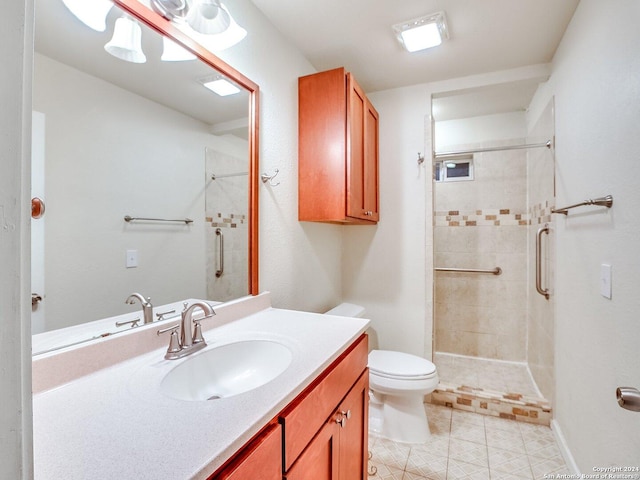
(172, 52)
(126, 43)
(93, 13)
(216, 43)
(208, 17)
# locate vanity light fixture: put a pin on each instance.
(423, 32)
(93, 13)
(208, 17)
(126, 43)
(207, 21)
(220, 85)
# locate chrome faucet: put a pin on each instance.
(147, 308)
(190, 341)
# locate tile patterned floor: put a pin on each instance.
(484, 373)
(466, 445)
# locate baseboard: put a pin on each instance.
(564, 448)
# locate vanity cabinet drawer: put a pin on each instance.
(302, 420)
(260, 460)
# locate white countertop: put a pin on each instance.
(116, 424)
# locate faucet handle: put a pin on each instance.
(197, 332)
(134, 323)
(174, 342)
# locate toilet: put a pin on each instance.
(398, 383)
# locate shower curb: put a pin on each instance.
(507, 405)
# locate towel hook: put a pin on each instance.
(269, 178)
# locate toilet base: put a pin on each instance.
(399, 418)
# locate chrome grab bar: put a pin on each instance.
(220, 271)
(544, 292)
(495, 271)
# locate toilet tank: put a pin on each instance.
(347, 310)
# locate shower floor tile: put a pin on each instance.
(494, 375)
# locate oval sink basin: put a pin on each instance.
(227, 370)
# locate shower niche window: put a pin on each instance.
(454, 170)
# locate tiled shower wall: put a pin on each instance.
(483, 224)
(226, 208)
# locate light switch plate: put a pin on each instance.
(605, 280)
(132, 259)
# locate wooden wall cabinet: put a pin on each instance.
(337, 150)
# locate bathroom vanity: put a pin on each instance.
(111, 408)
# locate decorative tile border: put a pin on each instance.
(538, 214)
(541, 213)
(232, 220)
(487, 217)
(512, 406)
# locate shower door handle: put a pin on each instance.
(542, 291)
(220, 270)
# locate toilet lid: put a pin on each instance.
(388, 363)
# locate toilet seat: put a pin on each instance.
(399, 365)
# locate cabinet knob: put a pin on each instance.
(346, 414)
(368, 213)
(342, 421)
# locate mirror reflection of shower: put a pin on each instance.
(493, 175)
(226, 217)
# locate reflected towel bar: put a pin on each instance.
(495, 271)
(225, 175)
(128, 218)
(601, 202)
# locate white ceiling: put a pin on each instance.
(61, 36)
(485, 36)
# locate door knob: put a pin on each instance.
(35, 299)
(37, 208)
(628, 398)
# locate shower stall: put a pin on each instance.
(227, 223)
(493, 229)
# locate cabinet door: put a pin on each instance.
(354, 434)
(371, 160)
(319, 461)
(355, 148)
(261, 460)
(362, 160)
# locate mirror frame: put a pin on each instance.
(166, 28)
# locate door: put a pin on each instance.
(38, 320)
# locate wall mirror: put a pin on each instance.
(116, 139)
